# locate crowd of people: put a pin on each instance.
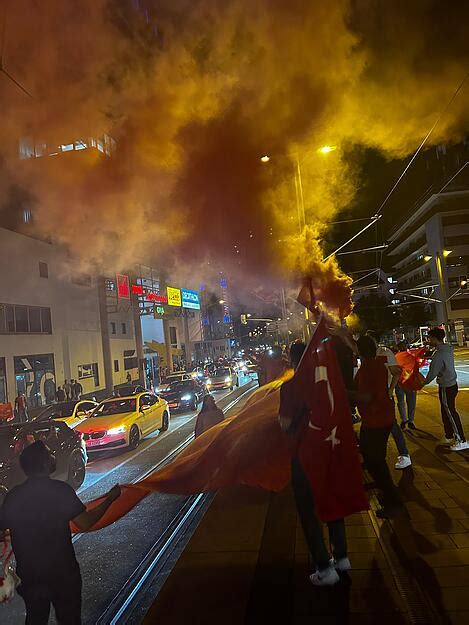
(38, 512)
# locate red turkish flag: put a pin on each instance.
(316, 400)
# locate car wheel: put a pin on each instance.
(134, 437)
(165, 425)
(76, 470)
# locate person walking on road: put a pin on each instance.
(376, 409)
(21, 408)
(38, 513)
(209, 415)
(394, 373)
(68, 389)
(442, 368)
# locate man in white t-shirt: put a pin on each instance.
(394, 372)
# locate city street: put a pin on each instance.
(107, 558)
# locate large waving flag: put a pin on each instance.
(410, 362)
(316, 404)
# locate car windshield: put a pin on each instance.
(63, 410)
(220, 372)
(181, 385)
(115, 406)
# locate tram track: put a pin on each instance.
(121, 605)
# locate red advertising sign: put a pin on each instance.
(156, 297)
(137, 289)
(123, 288)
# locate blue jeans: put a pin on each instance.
(399, 439)
(406, 403)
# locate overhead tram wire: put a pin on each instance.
(378, 213)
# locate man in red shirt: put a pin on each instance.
(376, 409)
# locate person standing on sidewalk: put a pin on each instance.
(327, 573)
(68, 389)
(406, 400)
(38, 514)
(442, 368)
(376, 409)
(394, 373)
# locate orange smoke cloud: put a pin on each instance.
(194, 95)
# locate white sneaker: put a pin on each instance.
(342, 564)
(403, 462)
(446, 441)
(328, 577)
(460, 446)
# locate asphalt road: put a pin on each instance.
(108, 557)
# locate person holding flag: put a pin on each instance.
(326, 473)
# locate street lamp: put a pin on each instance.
(327, 148)
(265, 158)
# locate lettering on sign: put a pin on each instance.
(190, 299)
(174, 296)
(123, 288)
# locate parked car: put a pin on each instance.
(70, 412)
(124, 421)
(131, 389)
(64, 443)
(184, 394)
(222, 378)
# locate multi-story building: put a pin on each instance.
(429, 255)
(51, 324)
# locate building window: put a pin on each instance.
(35, 378)
(173, 336)
(116, 366)
(124, 329)
(89, 371)
(113, 327)
(43, 270)
(21, 319)
(81, 279)
(3, 382)
(24, 320)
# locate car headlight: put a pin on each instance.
(186, 397)
(118, 430)
(209, 381)
(227, 379)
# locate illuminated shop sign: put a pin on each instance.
(123, 287)
(148, 295)
(190, 299)
(174, 296)
(158, 312)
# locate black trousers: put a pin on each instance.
(449, 415)
(65, 596)
(312, 526)
(373, 446)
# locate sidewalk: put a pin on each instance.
(247, 563)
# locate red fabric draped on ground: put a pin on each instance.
(410, 361)
(248, 448)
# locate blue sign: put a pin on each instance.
(190, 299)
(232, 342)
(226, 319)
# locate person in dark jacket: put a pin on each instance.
(38, 513)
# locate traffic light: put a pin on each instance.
(244, 319)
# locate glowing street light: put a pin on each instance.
(327, 148)
(447, 252)
(427, 258)
(265, 158)
(221, 301)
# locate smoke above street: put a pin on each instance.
(194, 98)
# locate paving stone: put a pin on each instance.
(461, 540)
(452, 576)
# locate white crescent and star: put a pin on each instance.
(320, 375)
